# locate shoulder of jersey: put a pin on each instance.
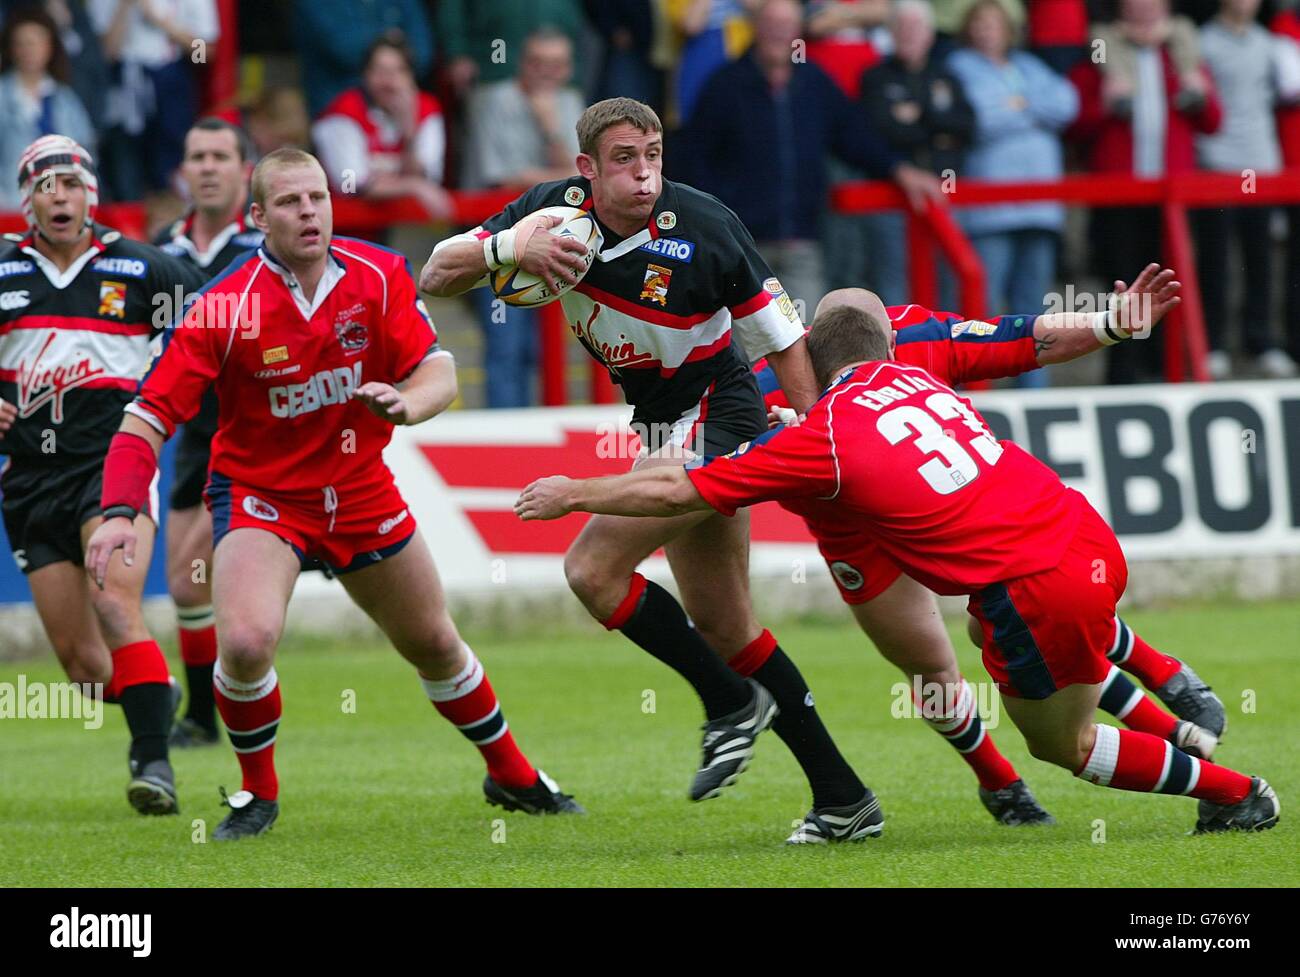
(377, 254)
(691, 201)
(572, 191)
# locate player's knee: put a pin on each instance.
(246, 646)
(184, 590)
(587, 578)
(118, 612)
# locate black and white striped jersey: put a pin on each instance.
(685, 303)
(74, 344)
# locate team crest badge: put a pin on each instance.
(666, 221)
(112, 299)
(655, 287)
(276, 354)
(354, 337)
(774, 287)
(260, 509)
(574, 196)
(848, 576)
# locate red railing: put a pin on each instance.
(935, 226)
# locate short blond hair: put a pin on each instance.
(279, 159)
(600, 116)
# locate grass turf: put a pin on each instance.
(389, 794)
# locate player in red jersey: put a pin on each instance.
(317, 346)
(892, 451)
(902, 618)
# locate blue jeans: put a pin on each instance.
(1019, 266)
(509, 349)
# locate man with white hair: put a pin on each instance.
(78, 307)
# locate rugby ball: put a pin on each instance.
(515, 286)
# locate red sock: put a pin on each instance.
(198, 635)
(140, 663)
(1129, 760)
(467, 701)
(1130, 705)
(754, 655)
(1132, 654)
(956, 719)
(251, 712)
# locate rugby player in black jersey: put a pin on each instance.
(79, 305)
(676, 304)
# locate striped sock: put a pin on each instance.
(1130, 705)
(1152, 668)
(198, 640)
(1129, 760)
(958, 721)
(467, 701)
(251, 712)
(142, 686)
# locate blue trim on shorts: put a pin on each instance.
(1026, 670)
(370, 557)
(219, 501)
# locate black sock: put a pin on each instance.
(148, 710)
(659, 625)
(202, 707)
(832, 780)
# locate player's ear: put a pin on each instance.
(586, 166)
(893, 343)
(259, 217)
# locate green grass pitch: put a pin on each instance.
(390, 794)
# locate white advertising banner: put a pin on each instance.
(1181, 471)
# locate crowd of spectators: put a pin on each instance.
(765, 102)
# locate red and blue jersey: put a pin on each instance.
(953, 349)
(891, 451)
(285, 368)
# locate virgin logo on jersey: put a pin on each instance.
(44, 383)
(325, 388)
(615, 355)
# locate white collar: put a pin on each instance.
(204, 258)
(62, 279)
(333, 274)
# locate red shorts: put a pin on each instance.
(860, 567)
(1053, 628)
(340, 528)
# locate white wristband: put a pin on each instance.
(499, 249)
(1106, 327)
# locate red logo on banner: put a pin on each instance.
(513, 466)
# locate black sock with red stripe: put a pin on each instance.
(833, 781)
(653, 619)
(141, 684)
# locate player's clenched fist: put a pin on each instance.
(384, 400)
(546, 498)
(109, 536)
(553, 259)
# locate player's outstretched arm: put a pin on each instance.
(426, 393)
(1134, 311)
(652, 492)
(459, 263)
(128, 471)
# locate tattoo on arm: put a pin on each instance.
(1043, 343)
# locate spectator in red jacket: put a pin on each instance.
(1143, 124)
(1058, 32)
(386, 138)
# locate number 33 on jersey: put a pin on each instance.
(898, 454)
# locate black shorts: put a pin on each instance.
(193, 452)
(44, 508)
(730, 413)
